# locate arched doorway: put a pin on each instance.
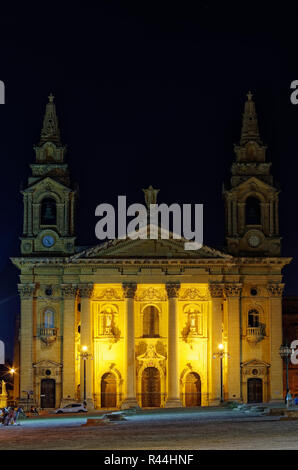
(108, 391)
(254, 390)
(193, 389)
(151, 388)
(48, 393)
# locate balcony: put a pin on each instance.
(255, 334)
(48, 335)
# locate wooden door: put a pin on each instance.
(108, 391)
(254, 390)
(151, 388)
(48, 393)
(193, 390)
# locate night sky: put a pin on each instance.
(144, 96)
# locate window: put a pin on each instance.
(150, 322)
(48, 212)
(252, 211)
(48, 319)
(253, 318)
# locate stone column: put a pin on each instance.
(276, 231)
(130, 399)
(69, 352)
(233, 292)
(271, 218)
(29, 227)
(26, 292)
(25, 222)
(66, 215)
(215, 338)
(276, 368)
(235, 227)
(173, 400)
(85, 292)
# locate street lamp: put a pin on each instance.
(85, 355)
(221, 354)
(285, 353)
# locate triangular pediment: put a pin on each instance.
(47, 363)
(148, 248)
(253, 183)
(48, 184)
(255, 362)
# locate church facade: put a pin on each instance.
(145, 322)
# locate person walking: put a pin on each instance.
(19, 413)
(11, 416)
(6, 417)
(289, 399)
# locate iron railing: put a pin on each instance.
(47, 331)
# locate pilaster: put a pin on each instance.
(233, 292)
(215, 335)
(173, 399)
(130, 399)
(276, 370)
(26, 292)
(85, 292)
(69, 354)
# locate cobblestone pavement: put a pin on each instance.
(156, 431)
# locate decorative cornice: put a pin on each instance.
(129, 290)
(275, 290)
(85, 290)
(151, 293)
(68, 290)
(144, 262)
(216, 290)
(108, 294)
(233, 290)
(26, 291)
(173, 289)
(193, 294)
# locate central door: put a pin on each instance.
(48, 392)
(254, 390)
(151, 388)
(193, 390)
(108, 391)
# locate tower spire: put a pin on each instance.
(50, 131)
(250, 128)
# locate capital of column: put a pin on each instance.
(216, 290)
(172, 289)
(129, 289)
(233, 290)
(275, 290)
(69, 290)
(26, 291)
(85, 290)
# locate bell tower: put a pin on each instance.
(251, 202)
(49, 201)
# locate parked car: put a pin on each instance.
(72, 408)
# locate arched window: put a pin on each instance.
(253, 318)
(252, 211)
(48, 212)
(150, 322)
(48, 318)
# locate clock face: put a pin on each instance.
(254, 240)
(48, 241)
